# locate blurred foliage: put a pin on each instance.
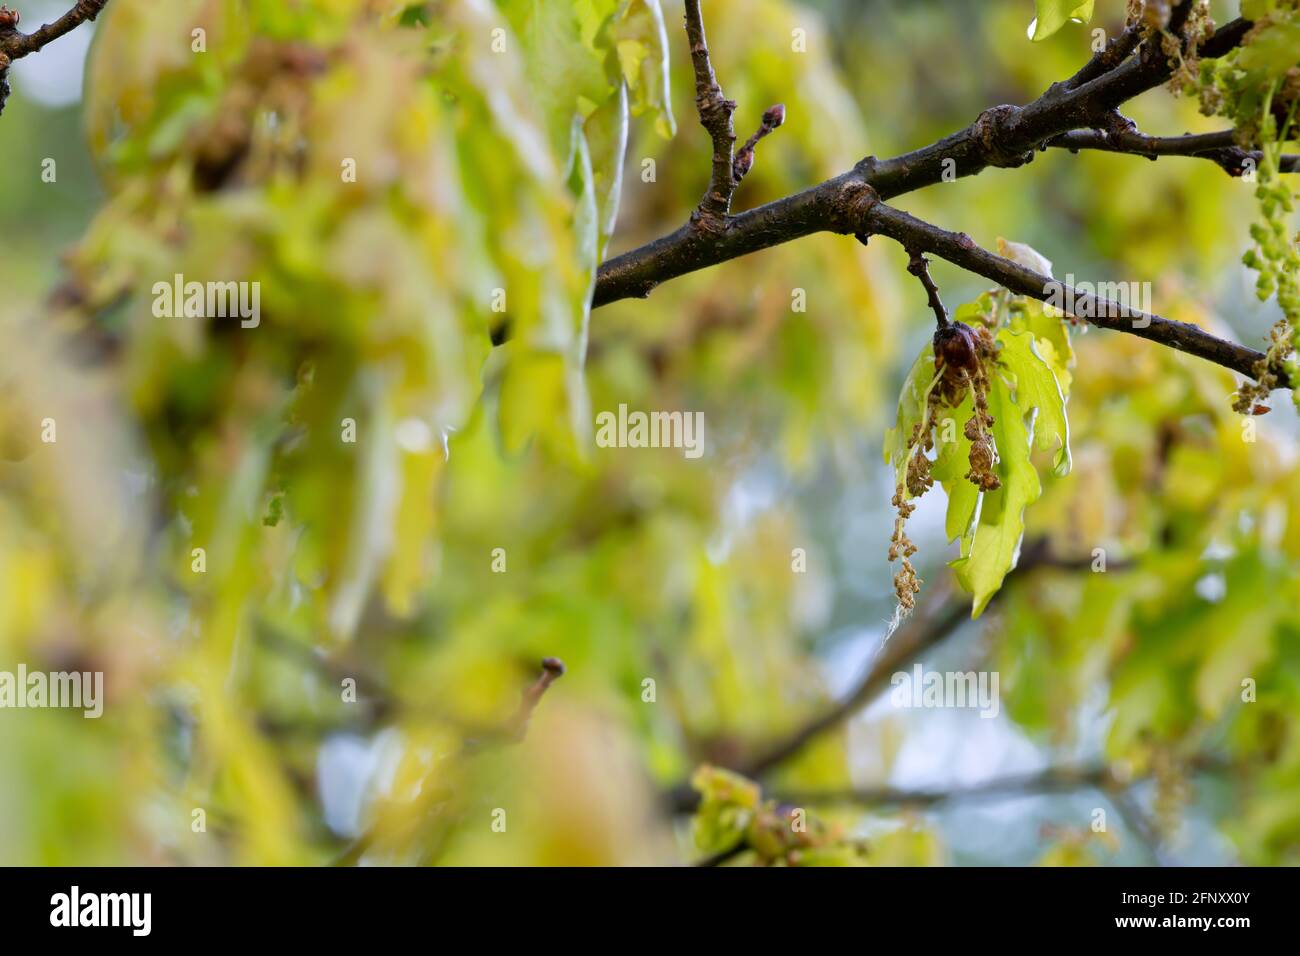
(501, 150)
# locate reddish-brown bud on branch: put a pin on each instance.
(955, 347)
(773, 117)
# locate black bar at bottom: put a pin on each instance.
(334, 907)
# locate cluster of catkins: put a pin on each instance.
(963, 355)
(1263, 104)
(906, 583)
(1184, 63)
(1276, 260)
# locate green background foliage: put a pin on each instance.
(513, 146)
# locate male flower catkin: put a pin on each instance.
(962, 354)
(962, 357)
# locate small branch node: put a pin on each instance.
(995, 131)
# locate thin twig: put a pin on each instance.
(940, 618)
(1051, 780)
(1061, 779)
(919, 266)
(1141, 826)
(919, 633)
(512, 732)
(725, 856)
(552, 670)
(16, 45)
(1218, 147)
(515, 729)
(773, 117)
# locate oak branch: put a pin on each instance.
(1081, 112)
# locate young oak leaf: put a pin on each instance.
(995, 546)
(1024, 255)
(642, 44)
(1028, 409)
(1052, 331)
(1054, 14)
(911, 409)
(1037, 388)
(949, 469)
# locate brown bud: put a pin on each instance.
(743, 162)
(955, 346)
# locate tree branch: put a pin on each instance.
(959, 249)
(1118, 50)
(715, 116)
(14, 44)
(850, 203)
(1141, 826)
(725, 856)
(1063, 779)
(919, 633)
(1218, 147)
(941, 617)
(1178, 18)
(1051, 780)
(1001, 136)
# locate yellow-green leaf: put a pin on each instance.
(996, 544)
(1054, 14)
(911, 408)
(1037, 389)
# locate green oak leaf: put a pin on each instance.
(911, 408)
(1054, 14)
(562, 62)
(1051, 330)
(995, 546)
(972, 313)
(949, 469)
(642, 43)
(1037, 388)
(962, 519)
(606, 135)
